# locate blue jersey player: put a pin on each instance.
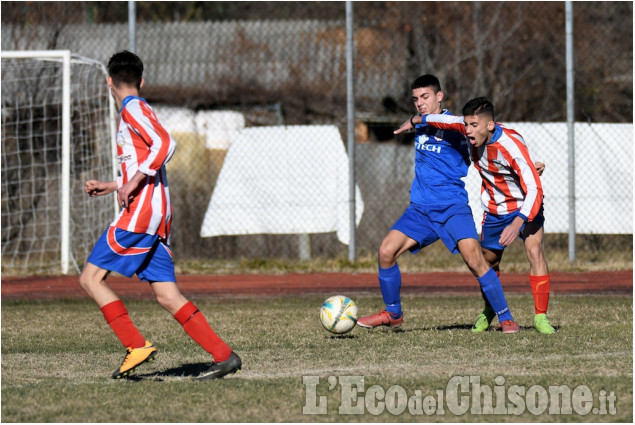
(438, 209)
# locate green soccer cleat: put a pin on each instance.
(542, 325)
(483, 320)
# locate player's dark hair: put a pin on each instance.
(426, 81)
(479, 106)
(126, 67)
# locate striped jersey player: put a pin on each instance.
(510, 181)
(511, 196)
(137, 241)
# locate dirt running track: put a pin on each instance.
(253, 285)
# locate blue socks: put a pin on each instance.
(390, 284)
(493, 290)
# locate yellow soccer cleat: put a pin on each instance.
(134, 358)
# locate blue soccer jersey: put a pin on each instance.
(441, 161)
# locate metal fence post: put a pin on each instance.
(570, 127)
(132, 26)
(350, 113)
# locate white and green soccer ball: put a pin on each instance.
(338, 314)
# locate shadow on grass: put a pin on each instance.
(189, 370)
(457, 326)
(433, 328)
(345, 336)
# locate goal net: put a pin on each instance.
(57, 132)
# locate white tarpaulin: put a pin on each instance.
(283, 180)
(603, 176)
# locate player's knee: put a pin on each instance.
(83, 282)
(477, 265)
(86, 281)
(534, 254)
(494, 264)
(170, 301)
(387, 255)
(164, 300)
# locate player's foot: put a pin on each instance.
(135, 357)
(383, 318)
(482, 322)
(218, 370)
(509, 327)
(542, 325)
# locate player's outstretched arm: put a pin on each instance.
(408, 125)
(99, 188)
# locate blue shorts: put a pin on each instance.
(493, 226)
(428, 224)
(129, 253)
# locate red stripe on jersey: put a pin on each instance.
(146, 211)
(510, 199)
(499, 183)
(138, 135)
(537, 202)
(163, 135)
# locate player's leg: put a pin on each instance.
(393, 245)
(539, 279)
(196, 326)
(470, 250)
(483, 321)
(492, 252)
(93, 282)
(160, 271)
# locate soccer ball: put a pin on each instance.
(338, 314)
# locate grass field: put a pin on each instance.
(57, 358)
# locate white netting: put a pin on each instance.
(32, 105)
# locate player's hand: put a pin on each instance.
(125, 194)
(407, 125)
(510, 233)
(99, 188)
(540, 167)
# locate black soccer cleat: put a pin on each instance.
(218, 370)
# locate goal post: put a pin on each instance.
(58, 129)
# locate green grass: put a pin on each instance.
(57, 358)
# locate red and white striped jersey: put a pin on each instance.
(144, 145)
(510, 181)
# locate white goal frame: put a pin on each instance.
(66, 57)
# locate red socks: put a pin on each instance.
(117, 317)
(192, 320)
(540, 289)
(196, 326)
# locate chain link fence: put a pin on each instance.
(253, 76)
